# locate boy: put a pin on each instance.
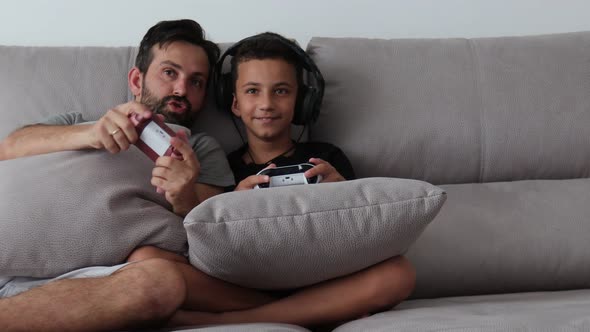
(267, 77)
(268, 95)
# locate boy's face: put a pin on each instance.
(174, 84)
(266, 92)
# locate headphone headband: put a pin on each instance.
(311, 91)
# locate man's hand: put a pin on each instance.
(115, 131)
(176, 175)
(253, 180)
(325, 169)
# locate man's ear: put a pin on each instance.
(135, 81)
(234, 107)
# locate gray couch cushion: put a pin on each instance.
(458, 110)
(68, 210)
(54, 80)
(506, 237)
(549, 311)
(288, 237)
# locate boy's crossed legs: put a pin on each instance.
(212, 301)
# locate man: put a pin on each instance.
(170, 78)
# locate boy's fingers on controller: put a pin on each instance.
(316, 161)
(316, 170)
(273, 165)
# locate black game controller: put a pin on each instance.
(288, 176)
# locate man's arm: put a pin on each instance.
(113, 132)
(40, 139)
(176, 177)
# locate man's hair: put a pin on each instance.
(166, 32)
(265, 46)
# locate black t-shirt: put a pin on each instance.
(301, 154)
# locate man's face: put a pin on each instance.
(266, 92)
(175, 82)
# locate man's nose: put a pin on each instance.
(180, 88)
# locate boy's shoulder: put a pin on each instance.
(317, 146)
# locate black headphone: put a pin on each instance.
(310, 92)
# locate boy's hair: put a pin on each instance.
(265, 46)
(166, 32)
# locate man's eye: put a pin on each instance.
(281, 91)
(251, 91)
(197, 82)
(169, 72)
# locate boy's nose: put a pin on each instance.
(265, 102)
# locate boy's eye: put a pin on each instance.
(281, 91)
(251, 91)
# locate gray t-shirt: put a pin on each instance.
(215, 168)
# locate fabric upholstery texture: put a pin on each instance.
(458, 110)
(67, 210)
(506, 237)
(54, 80)
(294, 236)
(565, 311)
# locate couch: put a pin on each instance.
(501, 124)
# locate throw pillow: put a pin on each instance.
(288, 237)
(67, 210)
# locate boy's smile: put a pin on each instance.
(266, 92)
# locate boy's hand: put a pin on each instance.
(176, 176)
(115, 131)
(325, 169)
(253, 180)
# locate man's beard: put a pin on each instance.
(160, 106)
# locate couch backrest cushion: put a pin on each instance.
(504, 237)
(37, 82)
(458, 110)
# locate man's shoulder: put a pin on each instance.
(69, 118)
(202, 139)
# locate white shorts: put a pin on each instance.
(10, 286)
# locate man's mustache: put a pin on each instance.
(177, 99)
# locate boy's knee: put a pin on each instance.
(395, 283)
(149, 252)
(156, 288)
(143, 253)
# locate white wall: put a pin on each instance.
(123, 22)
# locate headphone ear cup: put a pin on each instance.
(224, 92)
(300, 106)
(306, 107)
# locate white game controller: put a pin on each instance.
(288, 176)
